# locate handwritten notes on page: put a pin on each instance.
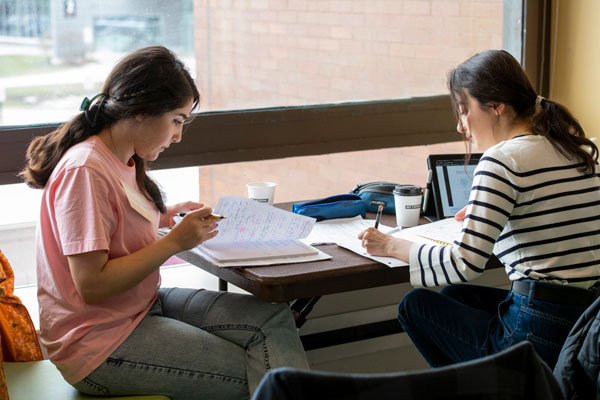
(257, 234)
(251, 221)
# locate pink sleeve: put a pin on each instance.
(83, 211)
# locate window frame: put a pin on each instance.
(278, 132)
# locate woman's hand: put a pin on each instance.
(97, 278)
(378, 243)
(166, 220)
(460, 216)
(194, 229)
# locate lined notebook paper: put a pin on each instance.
(256, 231)
(444, 231)
(261, 250)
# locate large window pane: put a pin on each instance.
(55, 52)
(270, 53)
(246, 54)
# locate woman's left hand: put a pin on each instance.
(167, 221)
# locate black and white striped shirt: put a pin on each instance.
(529, 206)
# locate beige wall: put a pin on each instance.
(575, 62)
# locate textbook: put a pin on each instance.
(254, 231)
(445, 231)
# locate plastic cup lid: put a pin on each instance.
(408, 190)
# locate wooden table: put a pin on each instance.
(303, 284)
(345, 271)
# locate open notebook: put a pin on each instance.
(260, 250)
(444, 231)
(253, 231)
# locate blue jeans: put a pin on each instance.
(465, 322)
(200, 344)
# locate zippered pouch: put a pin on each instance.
(375, 193)
(338, 206)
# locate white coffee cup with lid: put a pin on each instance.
(407, 200)
(263, 192)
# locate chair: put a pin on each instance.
(41, 380)
(577, 369)
(515, 373)
(26, 375)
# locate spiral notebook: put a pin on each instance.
(444, 231)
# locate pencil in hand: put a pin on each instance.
(378, 217)
(211, 216)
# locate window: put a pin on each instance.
(290, 56)
(244, 54)
(275, 53)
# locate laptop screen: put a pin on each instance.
(451, 182)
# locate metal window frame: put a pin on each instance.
(278, 132)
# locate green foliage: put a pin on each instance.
(11, 65)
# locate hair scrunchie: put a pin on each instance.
(86, 104)
(538, 100)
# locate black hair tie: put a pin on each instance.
(86, 104)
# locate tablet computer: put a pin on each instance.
(451, 182)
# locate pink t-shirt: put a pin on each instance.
(91, 202)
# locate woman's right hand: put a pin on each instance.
(194, 229)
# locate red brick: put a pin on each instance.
(318, 5)
(340, 32)
(299, 5)
(417, 7)
(445, 8)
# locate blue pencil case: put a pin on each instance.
(375, 194)
(338, 206)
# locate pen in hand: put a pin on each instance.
(378, 217)
(211, 216)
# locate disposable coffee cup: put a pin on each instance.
(407, 200)
(263, 192)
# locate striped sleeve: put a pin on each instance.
(492, 199)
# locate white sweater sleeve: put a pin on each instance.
(491, 202)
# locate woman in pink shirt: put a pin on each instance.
(104, 321)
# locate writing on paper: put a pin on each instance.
(251, 221)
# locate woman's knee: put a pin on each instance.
(280, 312)
(410, 302)
(453, 290)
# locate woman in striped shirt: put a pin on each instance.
(534, 204)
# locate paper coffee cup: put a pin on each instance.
(407, 200)
(263, 192)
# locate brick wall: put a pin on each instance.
(263, 53)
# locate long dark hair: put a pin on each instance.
(494, 76)
(148, 82)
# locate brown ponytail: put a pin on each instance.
(148, 82)
(566, 134)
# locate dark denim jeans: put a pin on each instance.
(465, 322)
